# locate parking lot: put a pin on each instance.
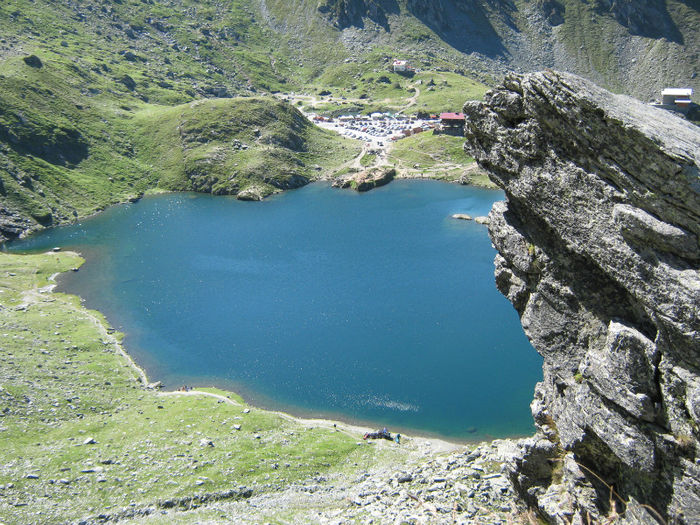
(378, 130)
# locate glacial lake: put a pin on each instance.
(374, 308)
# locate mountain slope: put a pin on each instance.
(176, 50)
(77, 77)
(65, 154)
(634, 47)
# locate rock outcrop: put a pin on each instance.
(12, 224)
(366, 180)
(598, 252)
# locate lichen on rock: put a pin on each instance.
(598, 252)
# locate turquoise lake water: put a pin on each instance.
(374, 308)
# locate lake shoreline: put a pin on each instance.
(370, 404)
(135, 198)
(348, 425)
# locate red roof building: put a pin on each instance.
(452, 123)
(452, 118)
(401, 66)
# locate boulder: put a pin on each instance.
(251, 193)
(366, 180)
(128, 82)
(33, 61)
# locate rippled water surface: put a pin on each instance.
(376, 308)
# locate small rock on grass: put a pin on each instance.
(33, 61)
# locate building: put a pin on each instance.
(676, 97)
(401, 66)
(452, 123)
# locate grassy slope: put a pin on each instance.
(61, 145)
(226, 146)
(382, 90)
(66, 155)
(653, 49)
(63, 380)
(439, 156)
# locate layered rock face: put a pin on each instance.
(598, 252)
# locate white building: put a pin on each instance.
(401, 66)
(679, 97)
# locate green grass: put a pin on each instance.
(450, 92)
(64, 380)
(225, 146)
(368, 159)
(428, 150)
(383, 90)
(436, 156)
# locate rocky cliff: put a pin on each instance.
(598, 252)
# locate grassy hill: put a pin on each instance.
(65, 154)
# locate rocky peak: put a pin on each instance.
(598, 251)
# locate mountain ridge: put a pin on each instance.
(621, 45)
